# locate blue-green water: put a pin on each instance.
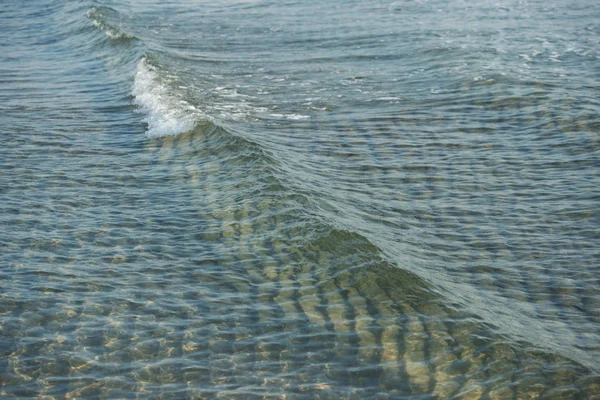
(254, 199)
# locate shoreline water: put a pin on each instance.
(225, 200)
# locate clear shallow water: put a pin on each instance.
(250, 199)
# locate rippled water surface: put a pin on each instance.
(346, 200)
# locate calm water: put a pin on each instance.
(338, 200)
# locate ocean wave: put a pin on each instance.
(167, 114)
(99, 17)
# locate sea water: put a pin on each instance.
(255, 199)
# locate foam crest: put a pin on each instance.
(166, 113)
(98, 16)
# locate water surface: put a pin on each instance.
(256, 199)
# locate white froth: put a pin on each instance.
(166, 114)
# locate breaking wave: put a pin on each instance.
(166, 113)
(100, 16)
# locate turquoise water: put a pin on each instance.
(254, 199)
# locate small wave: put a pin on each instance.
(99, 16)
(166, 113)
(293, 117)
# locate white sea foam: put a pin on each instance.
(166, 113)
(294, 117)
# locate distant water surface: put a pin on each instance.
(254, 199)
